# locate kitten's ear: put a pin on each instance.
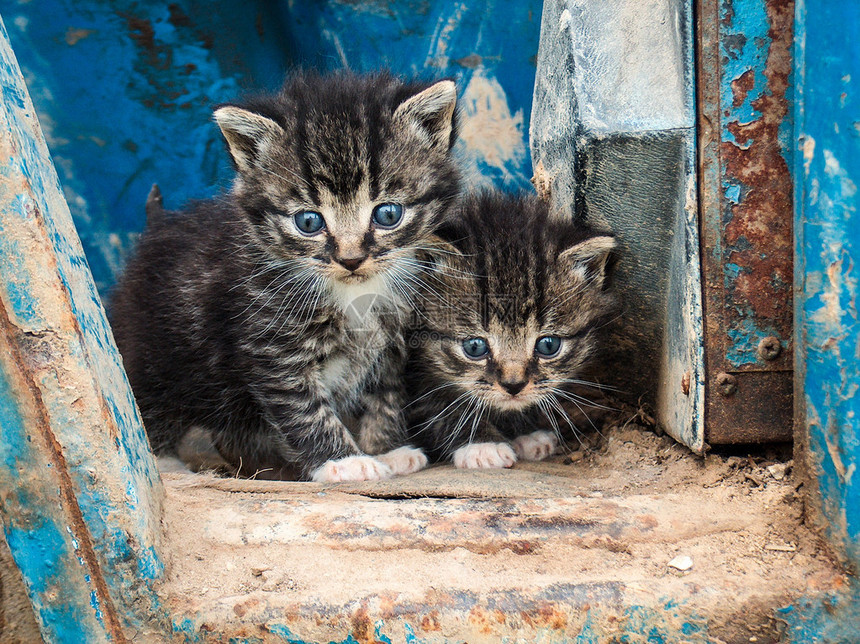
(247, 134)
(590, 259)
(430, 114)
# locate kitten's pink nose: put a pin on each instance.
(513, 388)
(351, 263)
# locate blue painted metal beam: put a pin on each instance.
(81, 497)
(828, 252)
(827, 330)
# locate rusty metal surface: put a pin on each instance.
(746, 203)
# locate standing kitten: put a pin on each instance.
(273, 315)
(510, 320)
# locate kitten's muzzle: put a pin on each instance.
(351, 263)
(515, 387)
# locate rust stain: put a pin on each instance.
(758, 237)
(545, 616)
(741, 86)
(483, 620)
(74, 36)
(362, 627)
(430, 622)
(685, 383)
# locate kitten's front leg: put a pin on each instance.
(381, 429)
(299, 411)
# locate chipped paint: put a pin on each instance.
(827, 246)
(756, 39)
(151, 79)
(681, 392)
(491, 145)
(584, 614)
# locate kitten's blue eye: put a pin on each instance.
(548, 346)
(387, 215)
(309, 222)
(475, 347)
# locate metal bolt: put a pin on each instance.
(769, 348)
(727, 384)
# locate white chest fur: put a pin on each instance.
(345, 372)
(362, 302)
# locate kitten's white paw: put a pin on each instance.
(172, 465)
(351, 468)
(484, 455)
(404, 460)
(535, 446)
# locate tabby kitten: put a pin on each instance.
(273, 315)
(510, 320)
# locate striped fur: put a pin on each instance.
(510, 274)
(230, 318)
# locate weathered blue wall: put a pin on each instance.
(124, 89)
(828, 252)
(827, 319)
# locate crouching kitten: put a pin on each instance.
(509, 321)
(273, 316)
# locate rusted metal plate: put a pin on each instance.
(746, 207)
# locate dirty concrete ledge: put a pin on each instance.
(588, 547)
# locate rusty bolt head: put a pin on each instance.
(727, 384)
(685, 383)
(769, 348)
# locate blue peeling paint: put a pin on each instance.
(123, 535)
(745, 337)
(377, 633)
(827, 251)
(290, 638)
(732, 192)
(830, 618)
(744, 45)
(410, 635)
